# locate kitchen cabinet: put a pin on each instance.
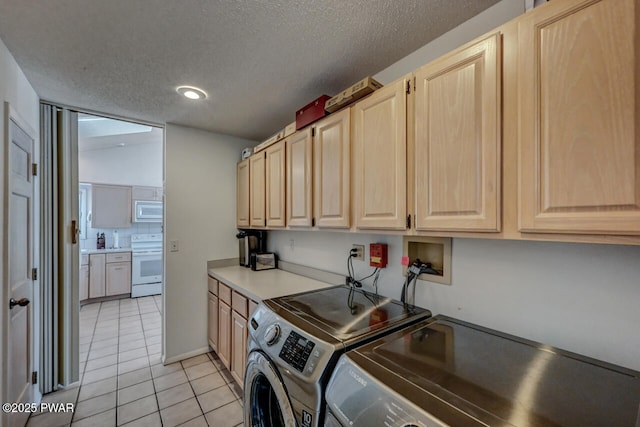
(380, 157)
(456, 160)
(111, 206)
(275, 187)
(84, 277)
(239, 346)
(257, 190)
(109, 274)
(213, 304)
(242, 192)
(146, 193)
(224, 333)
(118, 273)
(299, 157)
(227, 328)
(97, 279)
(578, 103)
(331, 171)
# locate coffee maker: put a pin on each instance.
(249, 242)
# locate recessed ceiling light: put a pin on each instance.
(191, 92)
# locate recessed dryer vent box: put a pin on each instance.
(436, 250)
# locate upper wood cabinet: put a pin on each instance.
(275, 185)
(111, 206)
(380, 157)
(457, 140)
(578, 99)
(331, 169)
(242, 194)
(257, 190)
(299, 179)
(146, 193)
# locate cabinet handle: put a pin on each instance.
(118, 268)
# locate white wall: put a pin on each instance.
(15, 89)
(580, 297)
(134, 164)
(200, 186)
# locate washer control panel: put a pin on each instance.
(296, 350)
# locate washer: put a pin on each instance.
(296, 341)
(445, 372)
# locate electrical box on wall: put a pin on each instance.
(378, 255)
(433, 250)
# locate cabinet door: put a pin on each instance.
(118, 276)
(457, 140)
(212, 329)
(84, 282)
(111, 206)
(144, 193)
(224, 334)
(331, 168)
(299, 169)
(239, 347)
(257, 190)
(579, 94)
(275, 185)
(380, 157)
(97, 275)
(242, 194)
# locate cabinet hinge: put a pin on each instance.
(34, 274)
(313, 131)
(265, 154)
(408, 221)
(313, 222)
(265, 222)
(34, 169)
(408, 86)
(34, 377)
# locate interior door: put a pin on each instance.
(19, 233)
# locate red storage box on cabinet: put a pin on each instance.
(311, 112)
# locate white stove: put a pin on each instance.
(146, 265)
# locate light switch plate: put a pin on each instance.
(174, 245)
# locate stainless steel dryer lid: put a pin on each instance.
(345, 314)
(494, 376)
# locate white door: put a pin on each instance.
(19, 234)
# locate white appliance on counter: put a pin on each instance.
(146, 265)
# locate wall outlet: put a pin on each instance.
(359, 252)
(174, 246)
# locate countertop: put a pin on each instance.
(260, 285)
(104, 251)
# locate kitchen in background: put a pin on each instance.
(121, 208)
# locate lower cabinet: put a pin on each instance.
(84, 277)
(108, 275)
(227, 328)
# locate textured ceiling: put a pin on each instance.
(259, 60)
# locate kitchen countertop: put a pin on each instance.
(260, 285)
(103, 251)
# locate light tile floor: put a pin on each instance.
(123, 381)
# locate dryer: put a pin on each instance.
(295, 342)
(446, 372)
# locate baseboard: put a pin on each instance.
(183, 356)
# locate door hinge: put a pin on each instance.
(408, 221)
(34, 377)
(34, 169)
(34, 274)
(408, 86)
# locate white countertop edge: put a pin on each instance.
(103, 251)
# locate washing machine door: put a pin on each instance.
(266, 402)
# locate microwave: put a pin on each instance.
(147, 211)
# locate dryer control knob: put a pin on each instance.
(272, 334)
